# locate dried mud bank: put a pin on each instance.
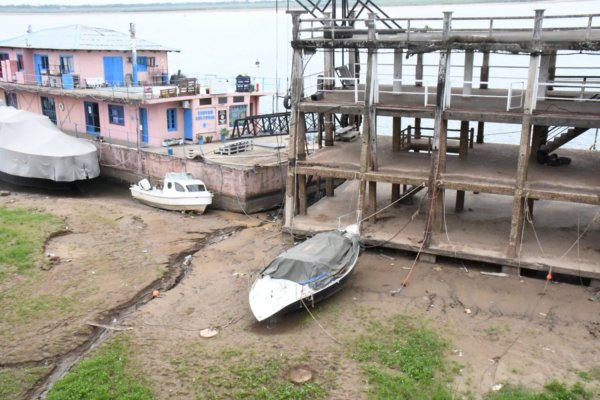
(518, 330)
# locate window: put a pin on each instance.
(116, 115)
(205, 102)
(222, 100)
(143, 62)
(179, 187)
(238, 99)
(196, 188)
(11, 99)
(171, 119)
(20, 65)
(236, 112)
(66, 65)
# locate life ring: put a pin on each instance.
(287, 102)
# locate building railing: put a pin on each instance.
(175, 86)
(329, 28)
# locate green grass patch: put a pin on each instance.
(233, 373)
(107, 375)
(552, 391)
(14, 383)
(404, 360)
(25, 309)
(22, 236)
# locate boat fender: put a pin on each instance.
(287, 102)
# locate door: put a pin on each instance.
(48, 108)
(92, 118)
(187, 124)
(113, 71)
(41, 65)
(143, 126)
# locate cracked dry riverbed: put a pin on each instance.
(115, 252)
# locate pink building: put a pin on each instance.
(116, 87)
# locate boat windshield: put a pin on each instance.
(196, 188)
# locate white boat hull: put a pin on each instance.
(155, 198)
(271, 296)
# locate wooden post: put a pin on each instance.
(328, 83)
(366, 153)
(397, 84)
(484, 76)
(396, 144)
(540, 135)
(417, 128)
(468, 72)
(462, 153)
(297, 80)
(516, 225)
(419, 70)
(544, 75)
(373, 200)
(302, 199)
(395, 192)
(552, 68)
(439, 142)
(301, 136)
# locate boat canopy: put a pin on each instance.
(324, 255)
(31, 146)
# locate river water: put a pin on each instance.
(229, 42)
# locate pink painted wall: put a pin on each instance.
(87, 64)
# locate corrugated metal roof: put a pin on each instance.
(80, 37)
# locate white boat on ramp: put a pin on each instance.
(180, 191)
(305, 274)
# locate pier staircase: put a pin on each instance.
(557, 137)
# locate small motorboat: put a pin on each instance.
(180, 192)
(305, 274)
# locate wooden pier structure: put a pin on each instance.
(494, 186)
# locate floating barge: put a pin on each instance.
(477, 198)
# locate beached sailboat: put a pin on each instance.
(305, 274)
(180, 192)
(34, 152)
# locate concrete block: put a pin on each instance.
(510, 270)
(428, 258)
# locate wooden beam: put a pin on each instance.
(297, 80)
(516, 225)
(439, 142)
(367, 146)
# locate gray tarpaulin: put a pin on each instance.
(323, 255)
(32, 146)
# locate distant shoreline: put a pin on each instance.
(192, 6)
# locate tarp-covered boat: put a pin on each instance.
(34, 152)
(306, 273)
